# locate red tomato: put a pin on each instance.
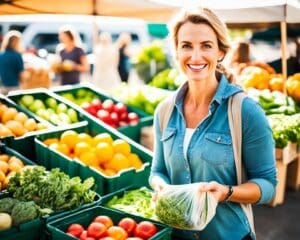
(104, 220)
(128, 224)
(96, 230)
(145, 229)
(75, 229)
(83, 235)
(117, 233)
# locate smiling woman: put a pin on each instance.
(196, 145)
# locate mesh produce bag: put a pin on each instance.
(185, 206)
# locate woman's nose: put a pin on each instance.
(196, 54)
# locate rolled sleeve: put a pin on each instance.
(267, 190)
(258, 150)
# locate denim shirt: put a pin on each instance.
(210, 157)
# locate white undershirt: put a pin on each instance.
(187, 138)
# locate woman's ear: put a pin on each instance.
(221, 56)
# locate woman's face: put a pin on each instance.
(64, 38)
(198, 51)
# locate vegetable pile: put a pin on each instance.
(137, 202)
(53, 189)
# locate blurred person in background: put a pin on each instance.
(240, 54)
(123, 43)
(11, 62)
(105, 74)
(73, 57)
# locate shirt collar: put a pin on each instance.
(224, 91)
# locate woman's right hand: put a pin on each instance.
(157, 185)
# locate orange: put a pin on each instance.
(2, 177)
(60, 147)
(14, 167)
(102, 137)
(4, 157)
(89, 158)
(3, 108)
(16, 127)
(118, 162)
(5, 131)
(69, 137)
(9, 114)
(104, 152)
(84, 137)
(121, 146)
(81, 147)
(49, 141)
(109, 172)
(21, 117)
(3, 166)
(135, 161)
(30, 124)
(17, 160)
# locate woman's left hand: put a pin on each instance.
(218, 190)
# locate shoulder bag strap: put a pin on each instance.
(165, 113)
(235, 125)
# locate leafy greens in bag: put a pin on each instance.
(185, 206)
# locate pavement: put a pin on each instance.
(280, 222)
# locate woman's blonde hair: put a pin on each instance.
(12, 41)
(207, 16)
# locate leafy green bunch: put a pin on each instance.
(51, 189)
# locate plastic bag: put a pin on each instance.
(185, 206)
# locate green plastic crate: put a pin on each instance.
(58, 227)
(35, 229)
(144, 118)
(105, 184)
(42, 94)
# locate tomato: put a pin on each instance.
(145, 229)
(104, 220)
(75, 229)
(96, 230)
(128, 224)
(117, 233)
(83, 235)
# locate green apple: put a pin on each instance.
(51, 102)
(72, 115)
(27, 100)
(61, 108)
(43, 113)
(54, 119)
(64, 118)
(68, 96)
(36, 105)
(50, 111)
(80, 93)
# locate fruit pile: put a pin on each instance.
(115, 115)
(15, 123)
(100, 152)
(50, 110)
(103, 228)
(9, 165)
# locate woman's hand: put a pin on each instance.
(218, 190)
(157, 185)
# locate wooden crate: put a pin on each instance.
(280, 189)
(293, 174)
(287, 154)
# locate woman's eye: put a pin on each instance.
(207, 46)
(185, 46)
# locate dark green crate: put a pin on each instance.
(42, 94)
(143, 117)
(105, 184)
(58, 227)
(33, 230)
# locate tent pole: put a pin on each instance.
(283, 32)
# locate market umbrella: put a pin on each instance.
(145, 9)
